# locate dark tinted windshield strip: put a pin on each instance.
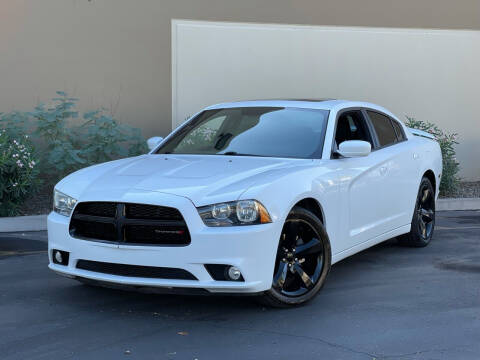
(268, 131)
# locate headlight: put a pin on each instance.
(63, 204)
(242, 212)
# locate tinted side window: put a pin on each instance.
(351, 126)
(383, 128)
(398, 130)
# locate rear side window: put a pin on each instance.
(383, 127)
(399, 131)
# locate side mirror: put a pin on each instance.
(354, 148)
(153, 142)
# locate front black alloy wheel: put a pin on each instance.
(302, 262)
(423, 221)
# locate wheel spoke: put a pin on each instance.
(427, 214)
(303, 275)
(312, 247)
(299, 260)
(423, 229)
(281, 275)
(424, 196)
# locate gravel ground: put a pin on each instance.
(41, 203)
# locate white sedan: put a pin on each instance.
(256, 197)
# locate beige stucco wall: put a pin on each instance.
(117, 53)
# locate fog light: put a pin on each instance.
(60, 257)
(234, 273)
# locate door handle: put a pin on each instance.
(383, 170)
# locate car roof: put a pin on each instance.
(301, 103)
(323, 104)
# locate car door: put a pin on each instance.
(363, 182)
(398, 159)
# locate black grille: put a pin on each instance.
(97, 208)
(93, 230)
(135, 270)
(137, 211)
(149, 234)
(137, 224)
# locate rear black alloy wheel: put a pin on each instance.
(423, 221)
(302, 262)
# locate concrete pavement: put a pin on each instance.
(388, 302)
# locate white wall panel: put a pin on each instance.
(429, 74)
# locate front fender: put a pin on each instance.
(280, 191)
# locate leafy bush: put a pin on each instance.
(55, 135)
(447, 142)
(65, 140)
(102, 138)
(18, 170)
(70, 143)
(16, 122)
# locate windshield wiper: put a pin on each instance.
(234, 153)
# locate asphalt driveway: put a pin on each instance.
(388, 302)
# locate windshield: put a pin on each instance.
(252, 131)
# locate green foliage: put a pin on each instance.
(18, 168)
(16, 122)
(53, 127)
(447, 141)
(71, 142)
(103, 138)
(65, 141)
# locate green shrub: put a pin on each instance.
(102, 138)
(16, 122)
(53, 129)
(18, 170)
(65, 142)
(70, 142)
(447, 141)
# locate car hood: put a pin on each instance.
(204, 179)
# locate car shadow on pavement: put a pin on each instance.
(138, 301)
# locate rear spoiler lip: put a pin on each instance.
(421, 133)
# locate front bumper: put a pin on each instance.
(250, 248)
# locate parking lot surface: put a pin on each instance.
(388, 302)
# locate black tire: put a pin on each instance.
(301, 266)
(423, 220)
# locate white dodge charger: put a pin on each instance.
(255, 197)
